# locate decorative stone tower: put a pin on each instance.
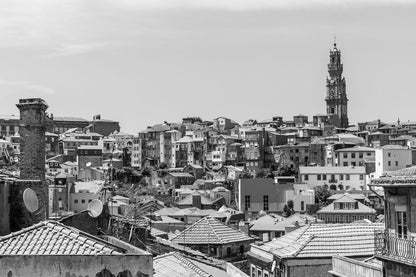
(33, 123)
(336, 96)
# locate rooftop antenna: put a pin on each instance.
(335, 41)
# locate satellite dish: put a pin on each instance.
(95, 208)
(88, 164)
(30, 200)
(274, 265)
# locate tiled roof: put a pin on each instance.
(53, 238)
(393, 147)
(281, 224)
(353, 195)
(180, 174)
(357, 149)
(210, 231)
(175, 265)
(188, 200)
(362, 209)
(322, 240)
(67, 118)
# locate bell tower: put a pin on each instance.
(336, 96)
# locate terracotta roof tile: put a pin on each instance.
(53, 238)
(210, 231)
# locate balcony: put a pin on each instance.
(391, 247)
(343, 266)
(332, 181)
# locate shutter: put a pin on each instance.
(412, 215)
(392, 215)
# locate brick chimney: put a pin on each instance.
(33, 124)
(32, 138)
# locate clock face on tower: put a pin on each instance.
(332, 92)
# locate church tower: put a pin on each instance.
(336, 96)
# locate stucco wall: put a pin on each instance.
(76, 266)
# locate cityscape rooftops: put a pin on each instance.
(321, 240)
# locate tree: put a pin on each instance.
(146, 172)
(245, 175)
(260, 174)
(288, 210)
(322, 194)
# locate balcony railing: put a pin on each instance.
(390, 246)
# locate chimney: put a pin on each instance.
(196, 201)
(32, 127)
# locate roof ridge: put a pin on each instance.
(24, 230)
(191, 265)
(213, 230)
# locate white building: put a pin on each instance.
(136, 152)
(392, 157)
(354, 156)
(82, 193)
(335, 177)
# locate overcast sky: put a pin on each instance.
(143, 62)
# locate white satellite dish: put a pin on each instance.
(274, 266)
(30, 200)
(95, 208)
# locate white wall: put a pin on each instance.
(392, 159)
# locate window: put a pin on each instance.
(337, 219)
(389, 163)
(352, 155)
(253, 271)
(318, 177)
(361, 177)
(354, 218)
(76, 201)
(306, 177)
(353, 163)
(345, 155)
(401, 219)
(345, 164)
(341, 177)
(397, 163)
(389, 155)
(324, 177)
(360, 155)
(302, 205)
(265, 202)
(347, 177)
(247, 202)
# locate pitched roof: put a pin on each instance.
(353, 195)
(321, 240)
(362, 209)
(53, 238)
(176, 265)
(281, 224)
(188, 200)
(357, 149)
(210, 231)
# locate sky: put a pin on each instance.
(143, 62)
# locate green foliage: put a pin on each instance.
(322, 194)
(288, 210)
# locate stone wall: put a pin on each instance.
(77, 266)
